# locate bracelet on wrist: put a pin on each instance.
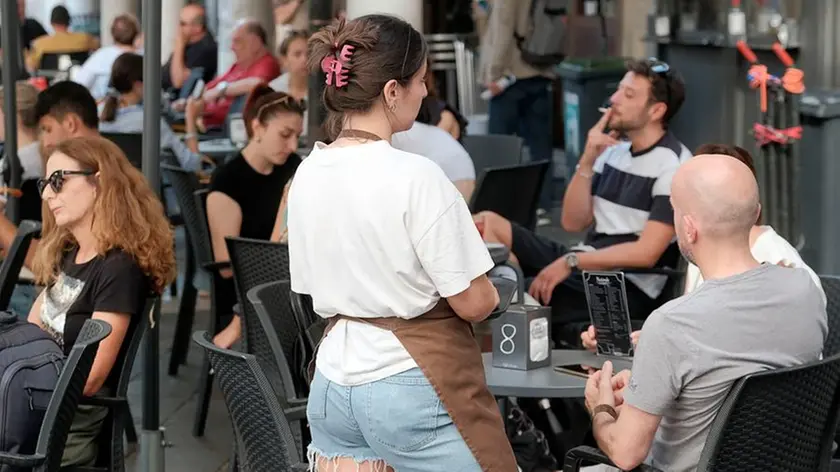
(587, 174)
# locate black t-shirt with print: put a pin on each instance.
(112, 283)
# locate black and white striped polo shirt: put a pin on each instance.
(629, 188)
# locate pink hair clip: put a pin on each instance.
(337, 66)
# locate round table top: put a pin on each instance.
(545, 382)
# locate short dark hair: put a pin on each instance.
(386, 48)
(66, 97)
(60, 16)
(291, 37)
(733, 151)
(125, 29)
(666, 87)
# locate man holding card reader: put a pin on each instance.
(619, 191)
(694, 348)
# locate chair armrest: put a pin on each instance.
(216, 266)
(294, 402)
(25, 461)
(103, 401)
(654, 270)
(301, 466)
(295, 413)
(581, 454)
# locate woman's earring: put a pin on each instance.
(393, 107)
(259, 139)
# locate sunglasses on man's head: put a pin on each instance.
(662, 69)
(57, 178)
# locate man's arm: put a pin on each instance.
(627, 440)
(503, 24)
(243, 87)
(644, 252)
(178, 71)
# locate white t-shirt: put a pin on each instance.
(439, 146)
(376, 232)
(768, 247)
(95, 73)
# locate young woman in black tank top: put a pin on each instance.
(247, 193)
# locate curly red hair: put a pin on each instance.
(127, 215)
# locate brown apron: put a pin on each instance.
(443, 346)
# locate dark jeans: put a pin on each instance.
(525, 109)
(568, 301)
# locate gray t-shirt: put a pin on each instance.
(693, 349)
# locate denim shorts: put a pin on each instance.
(399, 419)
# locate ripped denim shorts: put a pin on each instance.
(399, 420)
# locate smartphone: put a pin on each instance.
(576, 370)
(197, 90)
(507, 289)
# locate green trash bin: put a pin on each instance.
(587, 84)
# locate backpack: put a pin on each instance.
(544, 45)
(30, 364)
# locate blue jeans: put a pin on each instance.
(399, 420)
(526, 109)
(22, 299)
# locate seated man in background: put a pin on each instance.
(96, 71)
(61, 41)
(693, 349)
(619, 189)
(194, 47)
(254, 65)
(439, 146)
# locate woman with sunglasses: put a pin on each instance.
(248, 193)
(106, 246)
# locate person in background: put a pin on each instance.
(106, 247)
(248, 192)
(288, 17)
(194, 47)
(295, 78)
(439, 146)
(96, 71)
(437, 112)
(385, 246)
(32, 169)
(254, 65)
(61, 41)
(30, 28)
(122, 111)
(746, 317)
(526, 106)
(765, 243)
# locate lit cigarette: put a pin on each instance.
(603, 110)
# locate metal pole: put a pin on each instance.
(11, 70)
(151, 441)
(320, 15)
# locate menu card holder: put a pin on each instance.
(606, 297)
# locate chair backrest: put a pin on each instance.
(49, 61)
(511, 191)
(189, 84)
(313, 325)
(781, 419)
(493, 150)
(274, 336)
(185, 184)
(831, 287)
(263, 435)
(131, 144)
(255, 262)
(68, 391)
(15, 257)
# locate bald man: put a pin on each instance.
(694, 348)
(194, 47)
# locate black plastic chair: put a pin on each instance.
(512, 191)
(15, 258)
(49, 61)
(119, 420)
(277, 342)
(775, 420)
(131, 145)
(831, 286)
(260, 424)
(313, 325)
(63, 403)
(493, 150)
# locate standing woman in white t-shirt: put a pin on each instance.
(386, 247)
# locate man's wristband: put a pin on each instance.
(583, 173)
(604, 408)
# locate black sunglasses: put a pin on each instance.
(57, 178)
